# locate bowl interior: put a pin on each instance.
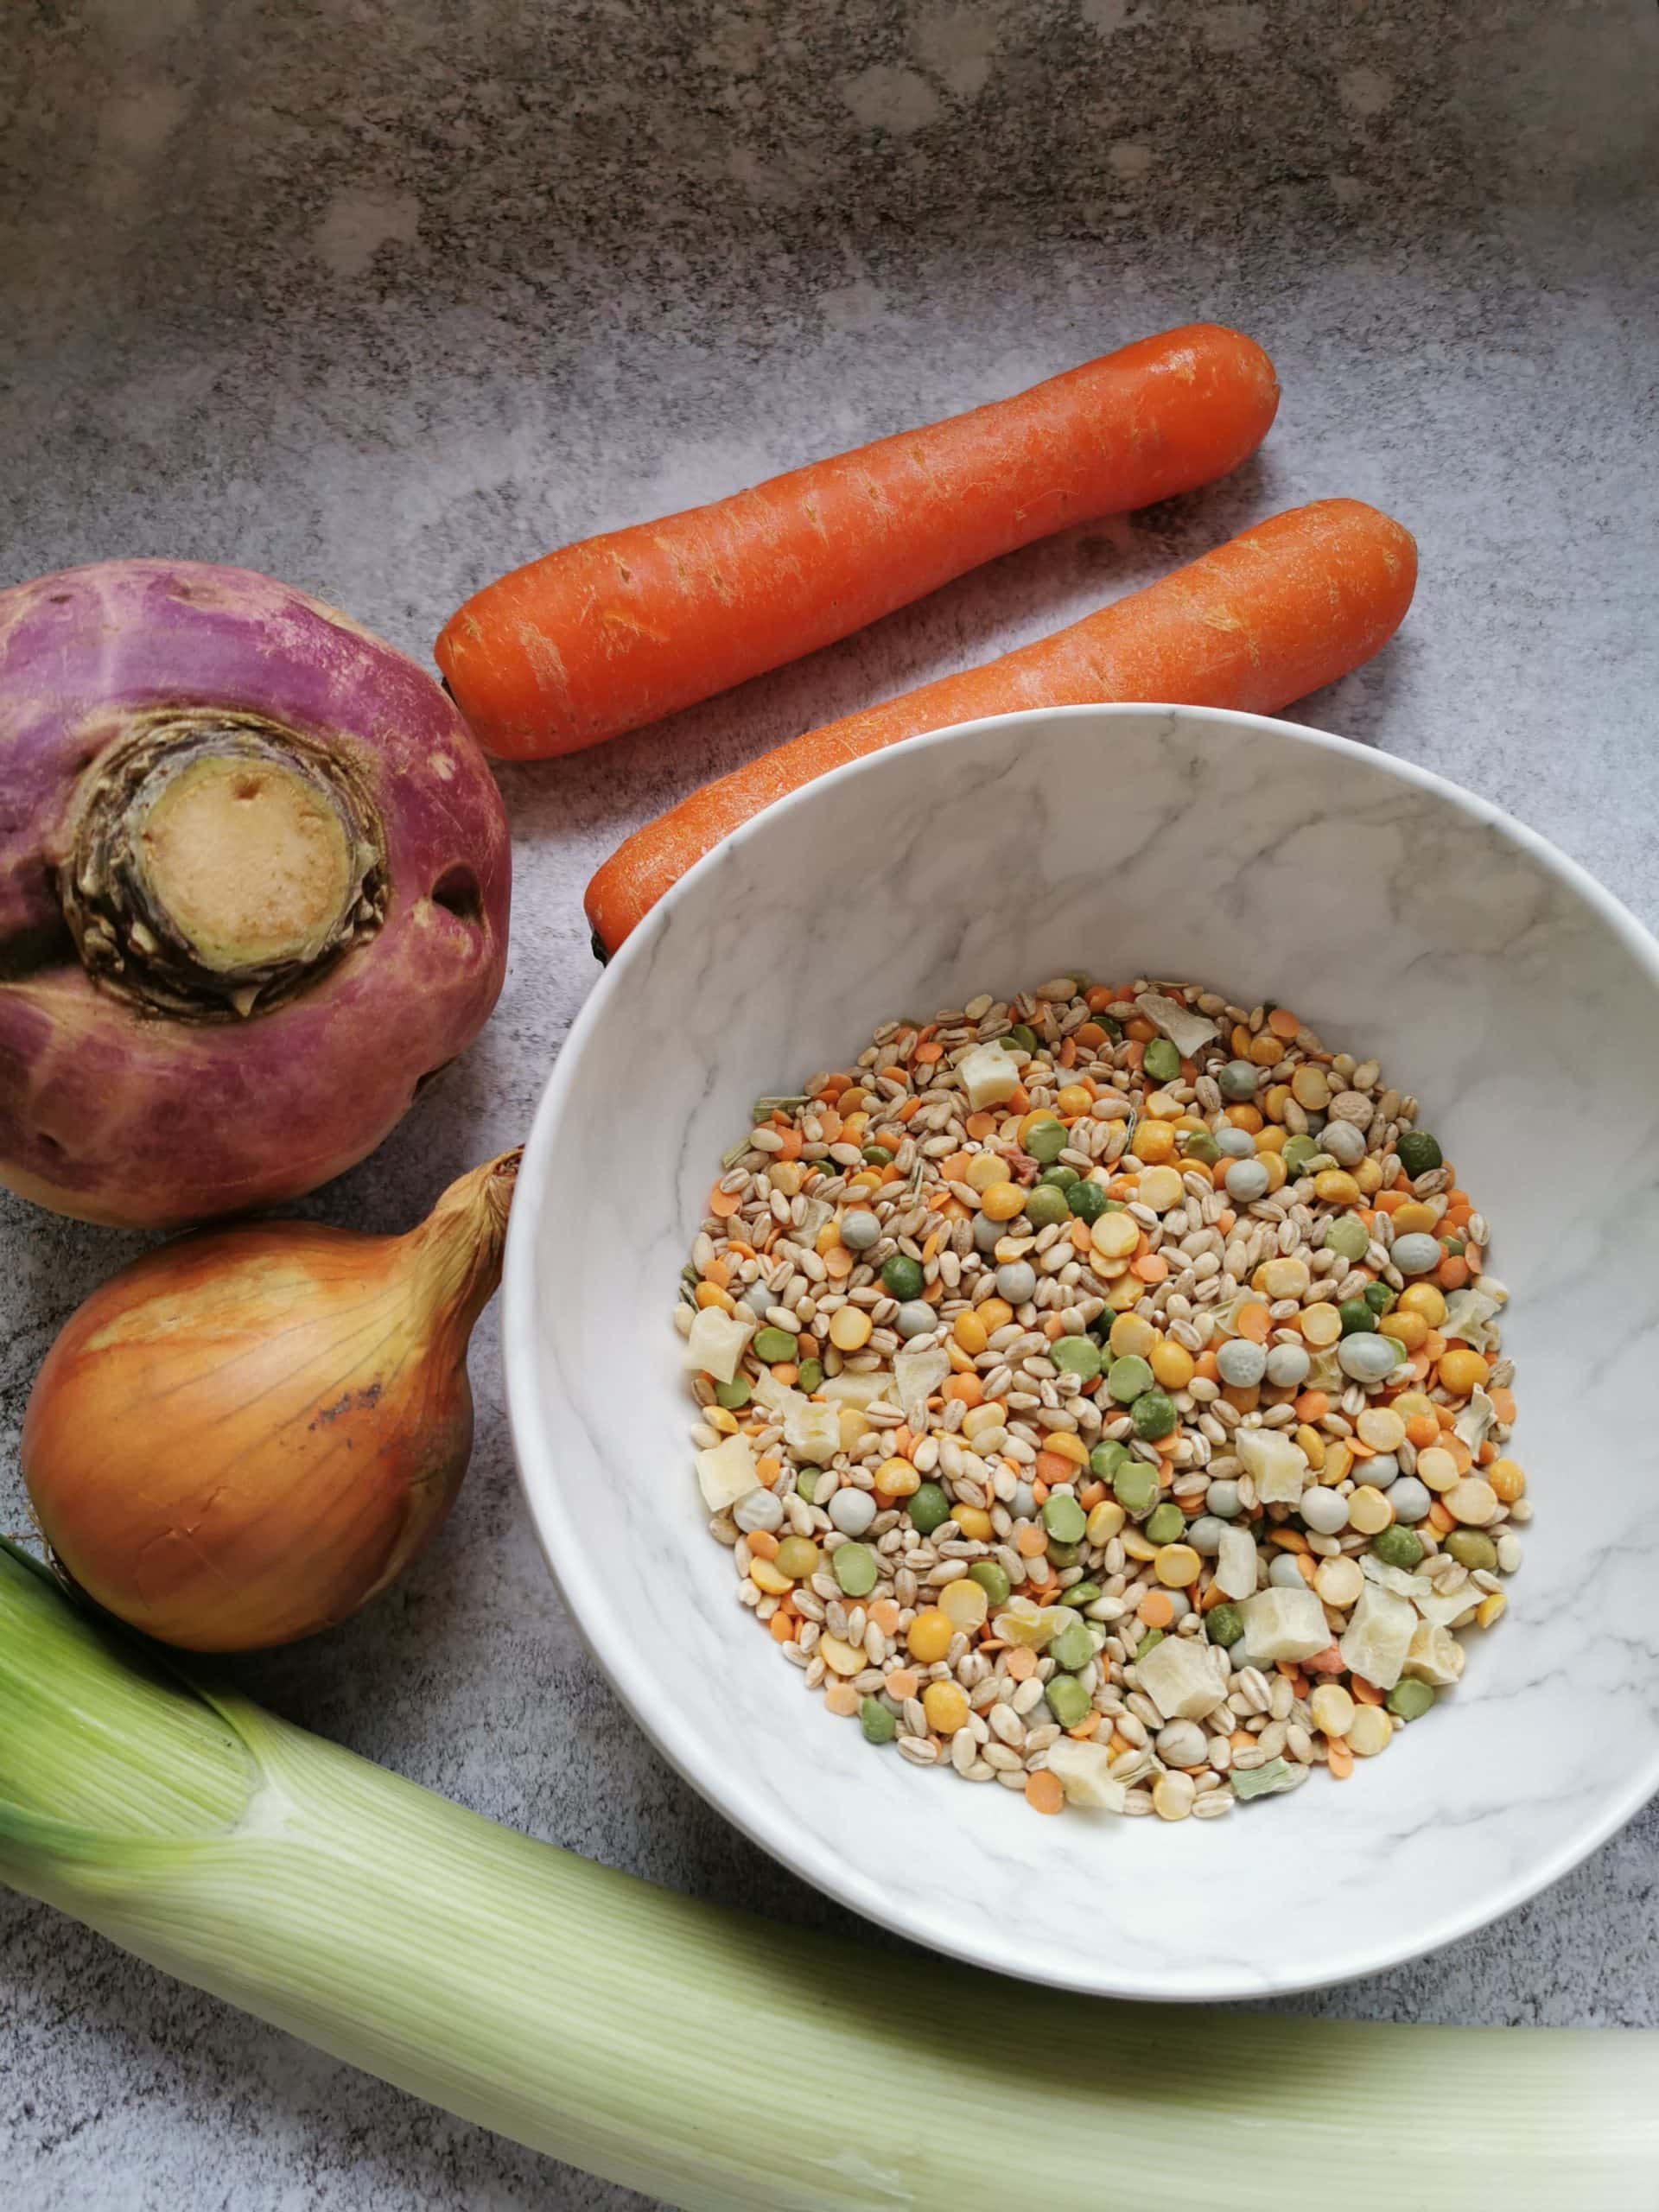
(1396, 916)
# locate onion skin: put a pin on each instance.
(115, 1115)
(247, 1434)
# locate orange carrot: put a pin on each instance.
(1288, 607)
(613, 632)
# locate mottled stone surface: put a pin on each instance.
(384, 299)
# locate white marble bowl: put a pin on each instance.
(1398, 916)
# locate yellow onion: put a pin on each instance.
(247, 1434)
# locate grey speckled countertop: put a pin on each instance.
(384, 298)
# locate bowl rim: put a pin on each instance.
(781, 1836)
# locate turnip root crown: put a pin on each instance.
(254, 887)
(219, 863)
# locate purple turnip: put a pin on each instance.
(254, 880)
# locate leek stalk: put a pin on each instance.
(712, 2059)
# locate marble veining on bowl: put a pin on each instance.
(1396, 915)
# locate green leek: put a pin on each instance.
(709, 2058)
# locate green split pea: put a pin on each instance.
(1136, 1486)
(1348, 1235)
(992, 1579)
(1128, 1379)
(879, 1724)
(930, 1508)
(902, 1276)
(1064, 1519)
(1086, 1200)
(1418, 1153)
(1162, 1061)
(1068, 1701)
(1078, 1356)
(1398, 1547)
(855, 1569)
(1045, 1205)
(1409, 1698)
(1072, 1649)
(1047, 1141)
(1164, 1523)
(1152, 1415)
(1223, 1624)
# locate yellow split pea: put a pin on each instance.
(897, 1479)
(1381, 1429)
(1337, 1464)
(1405, 1327)
(971, 1334)
(1285, 1278)
(1002, 1201)
(1507, 1479)
(1154, 1143)
(1369, 1731)
(1472, 1501)
(1368, 1510)
(964, 1604)
(1331, 1709)
(1413, 1218)
(1339, 1582)
(1337, 1187)
(1173, 1364)
(1161, 1188)
(1310, 1088)
(1321, 1325)
(929, 1636)
(1437, 1468)
(851, 1427)
(945, 1707)
(1462, 1371)
(1115, 1235)
(1132, 1336)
